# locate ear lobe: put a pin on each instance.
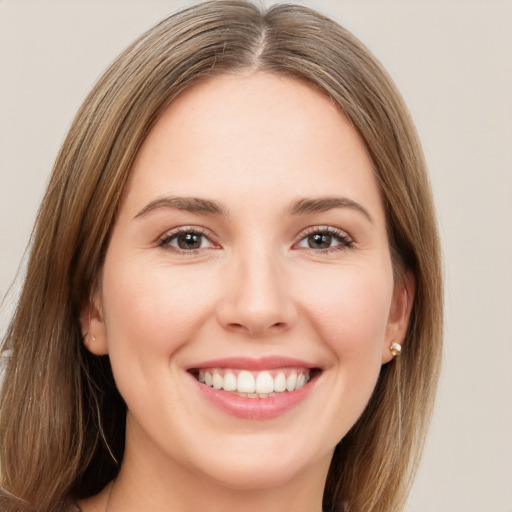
(399, 314)
(93, 328)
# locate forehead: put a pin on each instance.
(256, 136)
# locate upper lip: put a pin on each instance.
(254, 364)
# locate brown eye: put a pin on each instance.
(187, 240)
(325, 240)
(319, 241)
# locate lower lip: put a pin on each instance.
(255, 408)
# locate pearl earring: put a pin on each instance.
(395, 349)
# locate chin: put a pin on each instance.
(264, 474)
(262, 465)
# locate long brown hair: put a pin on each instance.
(62, 419)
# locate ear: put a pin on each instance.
(92, 324)
(399, 314)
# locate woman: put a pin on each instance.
(237, 239)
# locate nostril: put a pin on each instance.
(237, 327)
(256, 328)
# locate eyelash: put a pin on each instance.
(345, 242)
(166, 240)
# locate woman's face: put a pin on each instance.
(247, 299)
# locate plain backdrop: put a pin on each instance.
(452, 60)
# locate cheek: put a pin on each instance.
(349, 309)
(150, 312)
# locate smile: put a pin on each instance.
(255, 389)
(254, 384)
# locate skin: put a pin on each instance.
(254, 143)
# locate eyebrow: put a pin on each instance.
(300, 206)
(189, 204)
(305, 205)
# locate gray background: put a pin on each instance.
(452, 60)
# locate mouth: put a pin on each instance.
(255, 389)
(262, 384)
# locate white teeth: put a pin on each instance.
(230, 382)
(254, 384)
(291, 381)
(280, 382)
(246, 382)
(264, 383)
(217, 380)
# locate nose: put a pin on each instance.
(257, 298)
